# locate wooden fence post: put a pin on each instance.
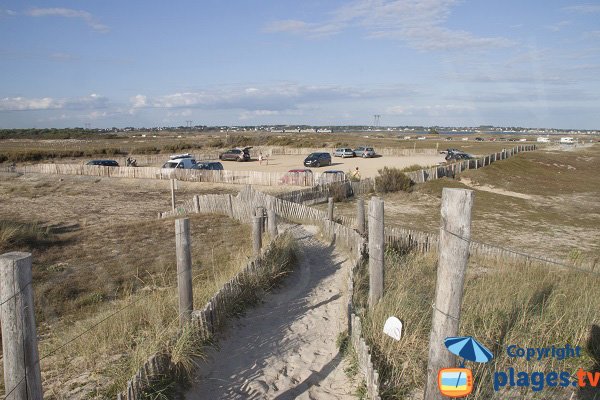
(272, 222)
(257, 235)
(360, 216)
(22, 374)
(330, 208)
(452, 265)
(196, 204)
(230, 205)
(376, 250)
(173, 194)
(260, 212)
(184, 269)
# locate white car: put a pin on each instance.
(343, 152)
(183, 161)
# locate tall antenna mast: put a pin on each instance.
(376, 118)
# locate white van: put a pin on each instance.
(567, 140)
(543, 139)
(183, 161)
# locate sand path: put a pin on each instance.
(286, 348)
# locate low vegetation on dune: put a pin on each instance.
(149, 324)
(504, 303)
(85, 275)
(392, 180)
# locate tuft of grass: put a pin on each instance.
(18, 235)
(504, 303)
(392, 180)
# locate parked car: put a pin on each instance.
(236, 155)
(458, 155)
(298, 177)
(479, 139)
(209, 166)
(317, 160)
(343, 152)
(332, 176)
(449, 138)
(104, 163)
(182, 161)
(364, 152)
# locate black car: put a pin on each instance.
(317, 160)
(236, 155)
(104, 163)
(209, 166)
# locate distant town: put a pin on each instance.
(482, 129)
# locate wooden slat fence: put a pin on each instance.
(192, 175)
(453, 169)
(207, 321)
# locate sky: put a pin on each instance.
(105, 63)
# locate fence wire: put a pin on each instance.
(519, 253)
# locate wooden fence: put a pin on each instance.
(207, 321)
(192, 175)
(453, 169)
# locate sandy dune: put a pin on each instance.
(286, 348)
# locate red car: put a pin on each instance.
(297, 177)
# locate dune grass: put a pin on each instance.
(504, 303)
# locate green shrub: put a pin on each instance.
(392, 180)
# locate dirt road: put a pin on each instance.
(286, 348)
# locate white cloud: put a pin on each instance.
(584, 8)
(10, 13)
(47, 103)
(419, 23)
(559, 25)
(272, 98)
(288, 25)
(437, 110)
(69, 13)
(246, 115)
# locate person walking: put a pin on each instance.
(260, 157)
(356, 174)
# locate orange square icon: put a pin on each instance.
(455, 382)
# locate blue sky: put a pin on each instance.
(429, 62)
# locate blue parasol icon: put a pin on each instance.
(468, 348)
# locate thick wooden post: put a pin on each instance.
(173, 194)
(360, 216)
(376, 250)
(183, 244)
(272, 222)
(455, 233)
(330, 208)
(257, 235)
(260, 212)
(22, 374)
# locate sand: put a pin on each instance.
(286, 348)
(367, 166)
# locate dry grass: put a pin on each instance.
(112, 352)
(32, 150)
(503, 304)
(560, 217)
(97, 247)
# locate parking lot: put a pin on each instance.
(368, 167)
